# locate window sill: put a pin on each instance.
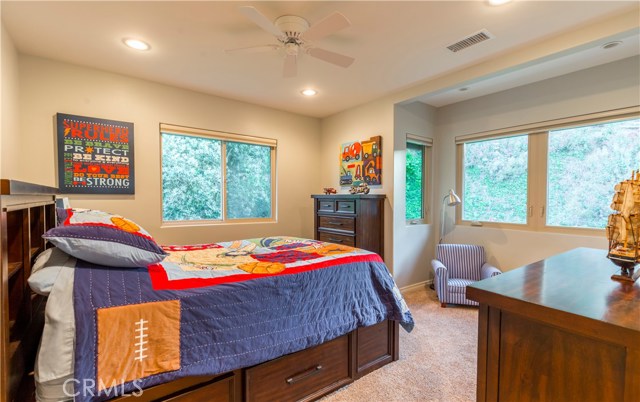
(182, 224)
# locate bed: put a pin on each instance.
(289, 319)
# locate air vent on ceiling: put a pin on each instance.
(470, 40)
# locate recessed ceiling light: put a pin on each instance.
(309, 92)
(463, 89)
(136, 44)
(610, 45)
(498, 2)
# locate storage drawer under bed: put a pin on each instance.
(304, 375)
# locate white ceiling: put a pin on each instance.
(396, 45)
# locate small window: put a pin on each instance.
(222, 179)
(583, 165)
(417, 185)
(495, 180)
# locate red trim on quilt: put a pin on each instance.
(160, 280)
(69, 215)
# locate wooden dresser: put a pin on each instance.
(352, 220)
(559, 330)
(27, 211)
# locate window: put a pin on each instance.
(416, 189)
(210, 176)
(556, 176)
(495, 180)
(584, 163)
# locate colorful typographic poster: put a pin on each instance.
(95, 156)
(361, 161)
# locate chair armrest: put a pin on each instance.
(439, 270)
(488, 271)
(441, 279)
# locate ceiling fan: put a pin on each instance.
(295, 36)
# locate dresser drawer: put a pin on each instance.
(346, 207)
(308, 373)
(326, 205)
(345, 240)
(337, 222)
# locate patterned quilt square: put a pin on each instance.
(286, 256)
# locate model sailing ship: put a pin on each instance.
(623, 228)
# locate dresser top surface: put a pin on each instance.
(348, 196)
(576, 282)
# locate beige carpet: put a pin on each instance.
(437, 359)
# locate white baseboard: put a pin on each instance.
(416, 285)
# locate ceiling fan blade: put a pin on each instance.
(331, 57)
(290, 66)
(260, 20)
(330, 24)
(253, 49)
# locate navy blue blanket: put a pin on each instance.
(221, 328)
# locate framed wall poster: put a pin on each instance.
(95, 156)
(361, 161)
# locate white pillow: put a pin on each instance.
(46, 269)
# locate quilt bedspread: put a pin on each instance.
(209, 309)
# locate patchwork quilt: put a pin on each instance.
(212, 308)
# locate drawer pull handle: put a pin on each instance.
(304, 374)
(331, 239)
(346, 206)
(336, 223)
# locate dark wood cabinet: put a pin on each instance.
(352, 220)
(559, 330)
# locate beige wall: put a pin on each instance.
(606, 87)
(412, 249)
(373, 118)
(48, 87)
(9, 102)
(308, 148)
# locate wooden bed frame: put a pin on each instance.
(28, 210)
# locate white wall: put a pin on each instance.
(610, 86)
(48, 87)
(412, 246)
(9, 101)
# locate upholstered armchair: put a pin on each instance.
(455, 267)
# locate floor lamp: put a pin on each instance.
(449, 200)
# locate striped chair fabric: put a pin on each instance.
(455, 267)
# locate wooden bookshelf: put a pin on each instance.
(27, 212)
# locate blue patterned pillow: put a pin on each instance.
(103, 238)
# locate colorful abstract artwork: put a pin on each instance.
(361, 161)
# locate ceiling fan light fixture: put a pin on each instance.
(136, 44)
(309, 92)
(291, 49)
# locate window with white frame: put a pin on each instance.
(553, 176)
(495, 180)
(216, 177)
(417, 173)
